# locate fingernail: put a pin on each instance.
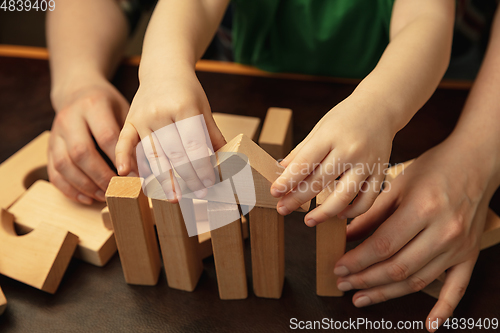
(362, 301)
(208, 182)
(200, 194)
(132, 174)
(275, 193)
(341, 271)
(283, 210)
(120, 169)
(100, 195)
(311, 222)
(84, 199)
(344, 286)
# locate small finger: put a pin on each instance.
(69, 191)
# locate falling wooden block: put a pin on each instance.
(134, 231)
(490, 237)
(227, 244)
(231, 125)
(39, 258)
(330, 247)
(22, 169)
(181, 258)
(43, 202)
(276, 136)
(3, 302)
(267, 241)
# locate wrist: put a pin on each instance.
(151, 70)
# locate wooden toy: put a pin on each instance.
(38, 258)
(134, 231)
(330, 247)
(3, 302)
(43, 202)
(267, 240)
(181, 257)
(231, 125)
(22, 169)
(276, 136)
(227, 244)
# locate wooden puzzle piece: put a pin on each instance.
(3, 302)
(227, 244)
(231, 125)
(267, 240)
(330, 247)
(181, 258)
(490, 237)
(134, 231)
(43, 202)
(38, 258)
(277, 136)
(22, 169)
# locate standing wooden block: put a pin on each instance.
(3, 302)
(330, 247)
(134, 230)
(39, 258)
(22, 169)
(43, 202)
(267, 240)
(227, 244)
(276, 136)
(181, 257)
(231, 125)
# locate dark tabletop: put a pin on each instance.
(98, 299)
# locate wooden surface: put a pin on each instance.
(134, 231)
(267, 243)
(277, 132)
(43, 202)
(39, 258)
(100, 293)
(181, 257)
(227, 245)
(231, 125)
(3, 302)
(23, 168)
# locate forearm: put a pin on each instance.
(178, 34)
(413, 63)
(86, 41)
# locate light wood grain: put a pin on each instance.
(181, 257)
(134, 231)
(227, 244)
(231, 125)
(277, 135)
(39, 258)
(23, 168)
(43, 202)
(267, 240)
(3, 302)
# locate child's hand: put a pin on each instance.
(430, 219)
(352, 141)
(74, 165)
(166, 101)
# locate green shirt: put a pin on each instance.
(342, 38)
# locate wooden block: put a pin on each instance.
(39, 258)
(231, 125)
(181, 257)
(134, 231)
(3, 302)
(227, 244)
(267, 240)
(276, 136)
(43, 202)
(22, 169)
(330, 247)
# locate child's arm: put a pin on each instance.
(354, 139)
(85, 40)
(169, 91)
(437, 208)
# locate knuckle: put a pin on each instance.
(360, 282)
(344, 197)
(80, 152)
(416, 283)
(382, 247)
(193, 145)
(293, 201)
(431, 204)
(177, 157)
(60, 163)
(380, 296)
(460, 291)
(398, 272)
(455, 229)
(107, 137)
